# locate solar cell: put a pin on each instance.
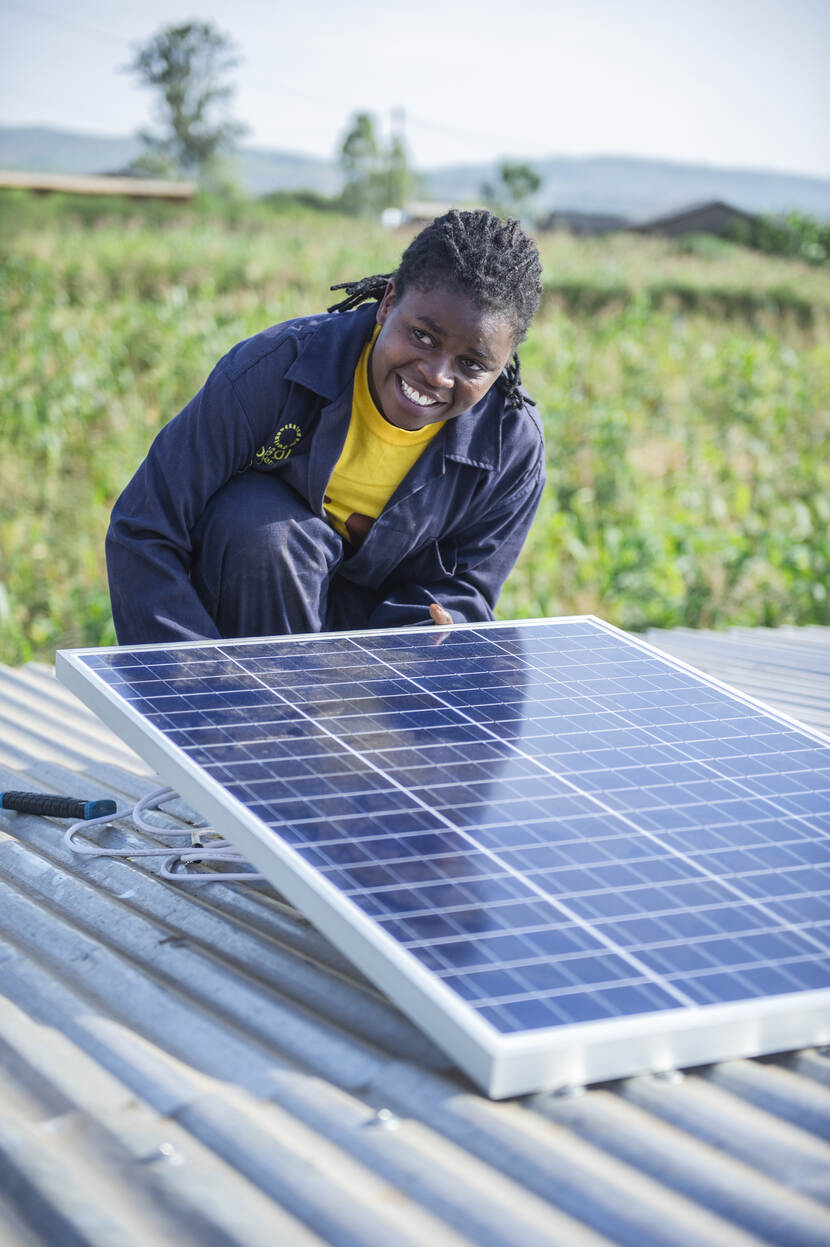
(565, 855)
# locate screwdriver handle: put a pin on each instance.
(54, 807)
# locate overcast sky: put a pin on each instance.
(726, 82)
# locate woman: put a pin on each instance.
(374, 466)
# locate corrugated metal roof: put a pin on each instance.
(788, 668)
(197, 1065)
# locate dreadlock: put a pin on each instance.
(491, 261)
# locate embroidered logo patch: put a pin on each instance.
(280, 445)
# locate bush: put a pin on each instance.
(795, 235)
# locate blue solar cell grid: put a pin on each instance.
(557, 823)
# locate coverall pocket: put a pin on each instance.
(437, 560)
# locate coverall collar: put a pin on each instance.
(326, 365)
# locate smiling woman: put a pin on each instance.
(437, 356)
(376, 466)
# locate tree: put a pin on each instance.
(517, 183)
(186, 64)
(359, 160)
(376, 175)
(398, 175)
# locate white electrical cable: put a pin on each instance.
(220, 851)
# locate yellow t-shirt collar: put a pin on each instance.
(365, 404)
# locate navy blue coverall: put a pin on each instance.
(222, 530)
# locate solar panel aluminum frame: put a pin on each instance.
(501, 1065)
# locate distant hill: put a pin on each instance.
(639, 188)
(628, 186)
(263, 170)
(44, 150)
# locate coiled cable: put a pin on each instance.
(219, 851)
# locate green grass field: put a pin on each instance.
(685, 391)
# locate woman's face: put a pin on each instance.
(436, 355)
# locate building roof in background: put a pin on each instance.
(98, 184)
(192, 1064)
(582, 222)
(713, 216)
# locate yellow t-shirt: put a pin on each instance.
(376, 457)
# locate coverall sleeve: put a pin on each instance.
(149, 545)
(476, 559)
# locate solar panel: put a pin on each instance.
(565, 855)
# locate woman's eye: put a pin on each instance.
(472, 365)
(422, 336)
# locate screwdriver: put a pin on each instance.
(52, 806)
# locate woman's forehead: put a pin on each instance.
(450, 312)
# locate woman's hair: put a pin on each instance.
(491, 261)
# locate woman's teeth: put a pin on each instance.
(422, 400)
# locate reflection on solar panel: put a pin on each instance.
(564, 855)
